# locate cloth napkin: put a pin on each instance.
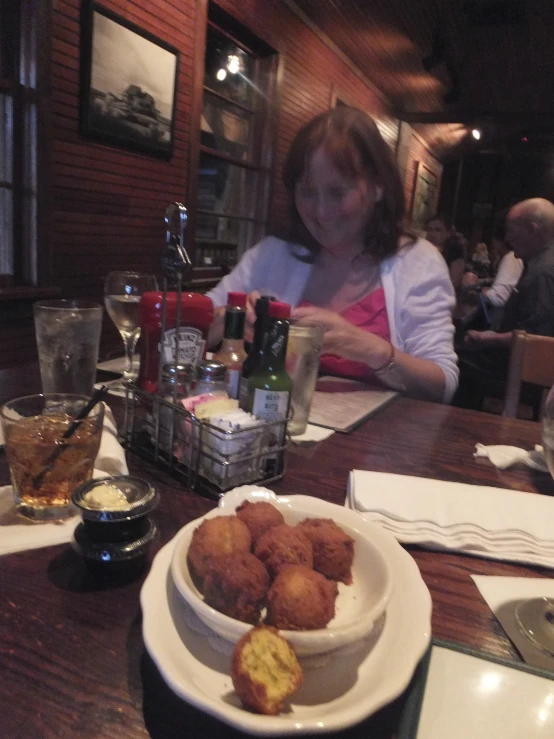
(17, 535)
(505, 456)
(502, 595)
(312, 435)
(488, 522)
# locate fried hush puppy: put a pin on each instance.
(333, 549)
(236, 585)
(265, 670)
(216, 537)
(283, 545)
(301, 599)
(259, 517)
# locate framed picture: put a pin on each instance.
(425, 196)
(128, 83)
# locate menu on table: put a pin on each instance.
(460, 693)
(342, 404)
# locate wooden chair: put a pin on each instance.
(531, 361)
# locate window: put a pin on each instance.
(19, 25)
(231, 190)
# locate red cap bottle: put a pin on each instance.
(237, 300)
(278, 309)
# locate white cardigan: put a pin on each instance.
(418, 294)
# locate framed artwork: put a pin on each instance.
(425, 196)
(128, 83)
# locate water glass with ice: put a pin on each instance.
(68, 337)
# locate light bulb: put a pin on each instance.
(221, 74)
(476, 133)
(233, 63)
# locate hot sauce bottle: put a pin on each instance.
(269, 386)
(232, 353)
(252, 361)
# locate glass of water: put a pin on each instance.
(68, 337)
(122, 293)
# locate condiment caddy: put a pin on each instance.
(214, 454)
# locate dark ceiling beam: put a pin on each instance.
(534, 120)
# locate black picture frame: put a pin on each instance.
(128, 84)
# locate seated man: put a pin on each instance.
(484, 358)
(507, 272)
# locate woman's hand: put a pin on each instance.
(344, 339)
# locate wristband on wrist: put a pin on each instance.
(389, 362)
(388, 374)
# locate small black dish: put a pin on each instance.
(115, 535)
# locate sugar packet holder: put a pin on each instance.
(231, 448)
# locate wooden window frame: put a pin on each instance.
(209, 14)
(26, 81)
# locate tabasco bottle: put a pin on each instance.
(269, 386)
(232, 353)
(252, 361)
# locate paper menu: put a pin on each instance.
(459, 693)
(341, 404)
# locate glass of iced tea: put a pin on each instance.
(44, 467)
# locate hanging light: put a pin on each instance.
(476, 133)
(221, 74)
(233, 63)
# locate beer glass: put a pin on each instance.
(302, 365)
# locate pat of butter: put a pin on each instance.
(106, 496)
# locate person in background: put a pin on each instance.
(530, 307)
(384, 298)
(439, 233)
(507, 268)
(480, 261)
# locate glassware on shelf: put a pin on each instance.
(122, 293)
(534, 617)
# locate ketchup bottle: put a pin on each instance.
(197, 312)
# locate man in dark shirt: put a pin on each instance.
(485, 356)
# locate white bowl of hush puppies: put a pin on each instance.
(305, 566)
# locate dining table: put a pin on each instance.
(73, 659)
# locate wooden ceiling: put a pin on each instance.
(494, 59)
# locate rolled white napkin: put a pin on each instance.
(488, 522)
(505, 456)
(17, 535)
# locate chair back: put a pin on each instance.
(532, 361)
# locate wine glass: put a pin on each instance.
(535, 617)
(122, 292)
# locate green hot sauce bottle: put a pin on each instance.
(252, 361)
(270, 387)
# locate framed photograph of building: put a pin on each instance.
(425, 196)
(128, 83)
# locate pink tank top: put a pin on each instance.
(369, 314)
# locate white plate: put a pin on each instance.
(346, 689)
(358, 606)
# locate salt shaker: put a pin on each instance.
(210, 378)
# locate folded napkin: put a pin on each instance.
(505, 456)
(312, 435)
(502, 595)
(484, 521)
(17, 535)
